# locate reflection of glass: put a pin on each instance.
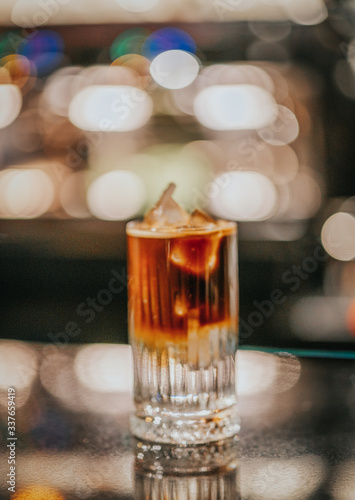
(222, 485)
(183, 326)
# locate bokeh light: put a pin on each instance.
(129, 42)
(236, 74)
(37, 493)
(25, 193)
(109, 108)
(73, 195)
(270, 32)
(174, 69)
(283, 130)
(285, 165)
(350, 317)
(338, 236)
(259, 372)
(300, 198)
(344, 77)
(18, 365)
(105, 368)
(20, 70)
(321, 319)
(116, 195)
(59, 377)
(159, 165)
(343, 486)
(137, 5)
(139, 67)
(243, 196)
(44, 48)
(9, 42)
(256, 372)
(235, 107)
(60, 89)
(10, 104)
(269, 478)
(306, 12)
(168, 39)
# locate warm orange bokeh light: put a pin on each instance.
(37, 493)
(350, 318)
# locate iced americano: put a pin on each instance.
(183, 318)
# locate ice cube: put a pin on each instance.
(200, 219)
(167, 212)
(196, 254)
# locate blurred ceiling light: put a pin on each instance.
(109, 108)
(18, 365)
(242, 196)
(168, 39)
(283, 130)
(137, 5)
(105, 368)
(174, 69)
(116, 195)
(73, 196)
(307, 12)
(235, 107)
(338, 236)
(256, 372)
(10, 104)
(25, 193)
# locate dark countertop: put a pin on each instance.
(297, 438)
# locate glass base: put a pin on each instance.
(189, 459)
(187, 429)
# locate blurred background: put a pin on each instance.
(247, 105)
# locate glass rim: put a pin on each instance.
(222, 226)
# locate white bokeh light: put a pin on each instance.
(137, 5)
(174, 69)
(110, 108)
(306, 12)
(10, 104)
(235, 107)
(256, 372)
(283, 130)
(116, 195)
(18, 365)
(243, 195)
(338, 236)
(105, 368)
(25, 193)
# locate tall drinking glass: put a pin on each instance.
(183, 317)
